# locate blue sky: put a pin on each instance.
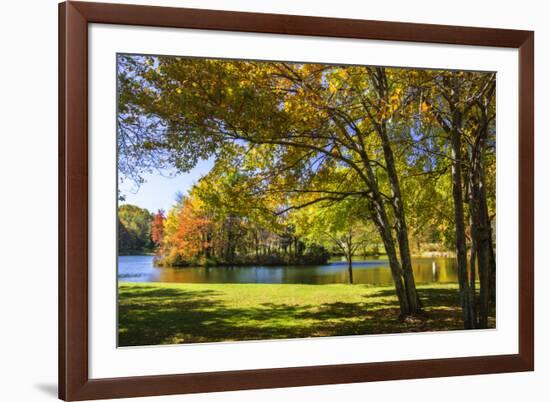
(158, 191)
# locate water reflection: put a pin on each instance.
(371, 271)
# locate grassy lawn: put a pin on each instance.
(169, 313)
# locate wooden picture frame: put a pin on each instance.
(74, 381)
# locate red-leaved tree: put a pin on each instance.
(194, 234)
(157, 227)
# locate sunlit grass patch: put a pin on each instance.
(168, 313)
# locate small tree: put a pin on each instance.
(348, 241)
(157, 227)
(193, 237)
(340, 226)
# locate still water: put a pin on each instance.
(369, 271)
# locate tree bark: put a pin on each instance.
(396, 200)
(473, 283)
(492, 268)
(382, 225)
(460, 237)
(401, 224)
(481, 230)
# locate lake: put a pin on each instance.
(367, 271)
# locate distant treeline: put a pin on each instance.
(191, 236)
(134, 230)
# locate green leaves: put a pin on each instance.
(291, 139)
(134, 229)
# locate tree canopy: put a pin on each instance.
(405, 153)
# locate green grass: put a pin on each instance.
(166, 313)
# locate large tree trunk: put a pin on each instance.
(380, 218)
(460, 237)
(378, 76)
(475, 315)
(481, 230)
(382, 225)
(473, 258)
(492, 268)
(401, 224)
(484, 272)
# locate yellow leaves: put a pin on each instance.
(384, 113)
(388, 108)
(394, 99)
(299, 107)
(398, 92)
(179, 91)
(425, 107)
(471, 128)
(337, 80)
(343, 74)
(427, 113)
(287, 106)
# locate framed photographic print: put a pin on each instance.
(259, 200)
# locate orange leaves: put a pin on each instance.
(193, 234)
(425, 108)
(427, 113)
(157, 227)
(332, 88)
(387, 108)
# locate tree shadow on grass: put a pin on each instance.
(152, 316)
(170, 316)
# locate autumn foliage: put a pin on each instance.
(412, 151)
(194, 233)
(157, 227)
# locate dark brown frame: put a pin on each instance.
(74, 383)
